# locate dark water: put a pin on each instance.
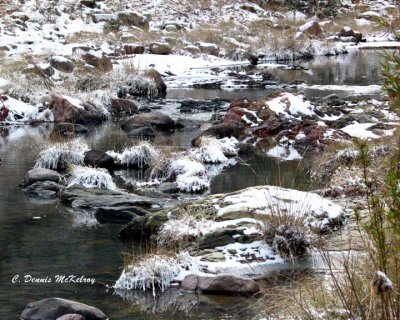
(57, 244)
(357, 68)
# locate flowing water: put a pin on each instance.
(42, 239)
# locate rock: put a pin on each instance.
(43, 189)
(54, 308)
(41, 69)
(142, 228)
(125, 106)
(118, 215)
(253, 59)
(192, 49)
(347, 32)
(102, 63)
(134, 48)
(79, 196)
(220, 131)
(89, 3)
(228, 285)
(209, 48)
(213, 257)
(132, 18)
(70, 110)
(70, 128)
(62, 64)
(311, 28)
(217, 238)
(98, 158)
(158, 80)
(40, 174)
(101, 17)
(160, 48)
(156, 120)
(370, 15)
(143, 132)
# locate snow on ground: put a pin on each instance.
(290, 105)
(360, 130)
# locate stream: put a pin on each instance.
(44, 239)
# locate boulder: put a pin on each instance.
(209, 48)
(132, 18)
(102, 63)
(54, 308)
(142, 228)
(101, 17)
(158, 80)
(40, 174)
(67, 109)
(89, 3)
(134, 48)
(98, 158)
(192, 49)
(70, 128)
(311, 28)
(125, 106)
(41, 69)
(160, 48)
(220, 131)
(370, 15)
(217, 238)
(225, 284)
(118, 215)
(155, 120)
(62, 64)
(347, 32)
(79, 196)
(43, 189)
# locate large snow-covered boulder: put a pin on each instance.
(133, 18)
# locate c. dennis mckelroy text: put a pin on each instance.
(62, 279)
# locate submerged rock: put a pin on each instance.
(43, 189)
(118, 215)
(79, 196)
(157, 120)
(226, 285)
(71, 128)
(54, 308)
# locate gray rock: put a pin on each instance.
(62, 64)
(228, 285)
(160, 48)
(79, 196)
(43, 189)
(217, 238)
(156, 120)
(209, 48)
(53, 308)
(89, 3)
(101, 17)
(158, 80)
(98, 158)
(213, 257)
(119, 215)
(132, 18)
(40, 174)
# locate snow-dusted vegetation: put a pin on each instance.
(92, 178)
(61, 155)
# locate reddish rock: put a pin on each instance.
(66, 110)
